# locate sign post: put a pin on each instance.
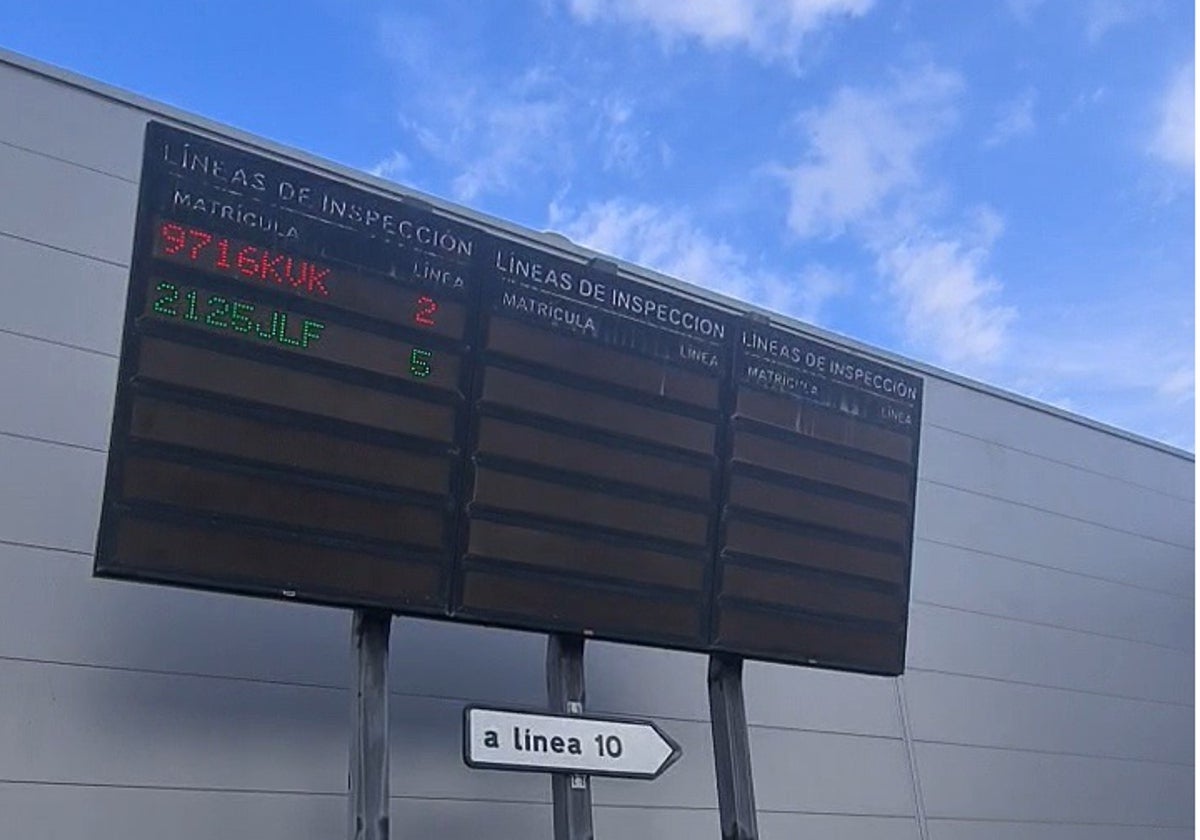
(369, 778)
(571, 792)
(731, 748)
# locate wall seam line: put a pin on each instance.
(911, 757)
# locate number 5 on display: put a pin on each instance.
(418, 362)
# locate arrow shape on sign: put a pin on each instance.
(510, 739)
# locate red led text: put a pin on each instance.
(426, 306)
(231, 257)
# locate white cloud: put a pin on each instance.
(864, 147)
(950, 304)
(1015, 119)
(621, 144)
(1174, 139)
(862, 175)
(493, 130)
(511, 133)
(670, 242)
(770, 28)
(393, 166)
(1102, 16)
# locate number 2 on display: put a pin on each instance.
(426, 306)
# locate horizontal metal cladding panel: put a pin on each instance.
(634, 418)
(965, 643)
(653, 823)
(955, 577)
(810, 698)
(463, 820)
(1024, 533)
(62, 121)
(69, 724)
(222, 375)
(481, 664)
(970, 711)
(671, 824)
(782, 825)
(580, 606)
(426, 757)
(830, 774)
(72, 725)
(993, 418)
(60, 811)
(992, 830)
(61, 297)
(66, 395)
(986, 784)
(56, 501)
(1001, 471)
(66, 206)
(156, 628)
(652, 682)
(646, 681)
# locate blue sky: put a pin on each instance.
(1002, 188)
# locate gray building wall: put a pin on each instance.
(1049, 692)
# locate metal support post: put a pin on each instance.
(369, 785)
(564, 683)
(731, 748)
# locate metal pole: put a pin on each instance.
(731, 748)
(369, 785)
(564, 683)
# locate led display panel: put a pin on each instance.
(595, 452)
(816, 532)
(343, 397)
(292, 384)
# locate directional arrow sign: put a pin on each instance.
(508, 739)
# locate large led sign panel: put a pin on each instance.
(595, 445)
(348, 398)
(291, 391)
(817, 524)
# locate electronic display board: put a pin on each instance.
(334, 395)
(292, 389)
(816, 534)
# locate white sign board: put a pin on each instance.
(504, 739)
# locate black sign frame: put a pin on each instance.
(712, 494)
